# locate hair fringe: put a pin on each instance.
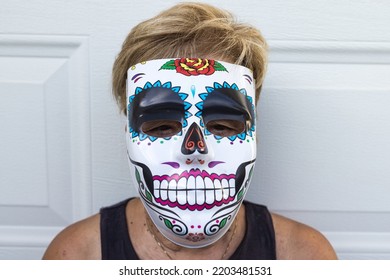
(186, 30)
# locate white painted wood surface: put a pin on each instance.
(324, 122)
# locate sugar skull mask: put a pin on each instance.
(191, 144)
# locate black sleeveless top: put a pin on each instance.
(257, 244)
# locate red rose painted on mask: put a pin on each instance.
(193, 66)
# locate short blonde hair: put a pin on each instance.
(191, 30)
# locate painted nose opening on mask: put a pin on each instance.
(194, 141)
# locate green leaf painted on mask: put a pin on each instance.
(219, 67)
(137, 176)
(223, 223)
(168, 223)
(250, 173)
(148, 196)
(240, 194)
(170, 65)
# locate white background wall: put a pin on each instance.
(324, 151)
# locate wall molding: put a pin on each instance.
(74, 51)
(23, 236)
(340, 52)
(30, 45)
(360, 245)
(360, 242)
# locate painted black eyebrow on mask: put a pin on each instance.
(156, 103)
(228, 104)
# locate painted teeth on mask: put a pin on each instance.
(164, 190)
(181, 193)
(191, 186)
(172, 190)
(232, 185)
(210, 194)
(156, 188)
(194, 190)
(225, 188)
(200, 191)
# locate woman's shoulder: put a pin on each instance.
(295, 240)
(80, 240)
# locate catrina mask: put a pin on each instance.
(191, 142)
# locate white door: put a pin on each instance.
(324, 151)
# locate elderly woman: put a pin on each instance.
(188, 81)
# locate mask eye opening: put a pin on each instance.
(225, 127)
(161, 128)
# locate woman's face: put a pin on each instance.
(191, 144)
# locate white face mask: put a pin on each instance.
(191, 143)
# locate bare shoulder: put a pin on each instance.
(295, 240)
(78, 241)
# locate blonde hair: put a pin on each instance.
(191, 30)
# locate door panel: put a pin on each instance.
(323, 117)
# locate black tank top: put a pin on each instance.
(257, 244)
